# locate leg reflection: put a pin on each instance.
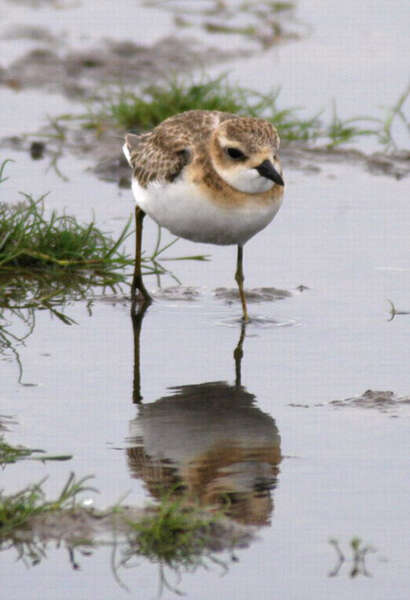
(137, 318)
(238, 355)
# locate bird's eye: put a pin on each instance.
(235, 153)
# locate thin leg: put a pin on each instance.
(137, 283)
(238, 354)
(239, 278)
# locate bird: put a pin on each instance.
(207, 176)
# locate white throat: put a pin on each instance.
(245, 180)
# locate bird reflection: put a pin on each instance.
(207, 442)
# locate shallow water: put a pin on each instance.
(299, 468)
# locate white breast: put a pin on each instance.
(186, 212)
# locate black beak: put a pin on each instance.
(266, 169)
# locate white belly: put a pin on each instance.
(182, 209)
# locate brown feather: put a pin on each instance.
(153, 158)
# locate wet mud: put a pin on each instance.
(265, 24)
(109, 164)
(88, 527)
(383, 401)
(311, 160)
(86, 74)
(180, 293)
(177, 293)
(264, 294)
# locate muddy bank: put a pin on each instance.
(393, 164)
(103, 151)
(82, 74)
(265, 294)
(98, 72)
(383, 401)
(112, 166)
(85, 527)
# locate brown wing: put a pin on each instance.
(161, 154)
(151, 161)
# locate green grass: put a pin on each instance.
(23, 294)
(358, 551)
(2, 169)
(139, 112)
(156, 103)
(12, 454)
(160, 102)
(341, 131)
(49, 260)
(32, 240)
(56, 254)
(37, 242)
(395, 113)
(17, 509)
(175, 535)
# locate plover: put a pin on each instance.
(206, 176)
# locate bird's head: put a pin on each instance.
(245, 154)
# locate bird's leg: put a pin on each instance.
(239, 278)
(137, 283)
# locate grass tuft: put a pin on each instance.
(174, 533)
(359, 552)
(393, 114)
(341, 131)
(12, 454)
(157, 103)
(30, 240)
(142, 111)
(2, 167)
(48, 260)
(160, 102)
(16, 510)
(52, 246)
